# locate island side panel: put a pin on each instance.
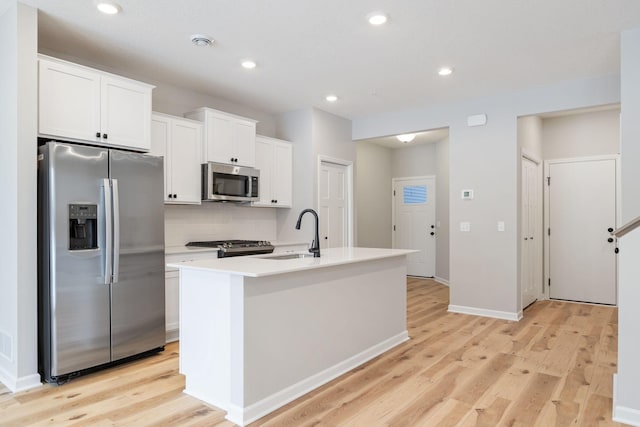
(205, 335)
(303, 329)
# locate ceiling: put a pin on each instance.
(307, 49)
(426, 137)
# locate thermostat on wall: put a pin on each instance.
(467, 194)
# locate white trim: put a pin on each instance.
(348, 164)
(623, 414)
(19, 384)
(546, 225)
(505, 315)
(242, 417)
(172, 333)
(441, 280)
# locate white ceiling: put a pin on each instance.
(426, 137)
(306, 49)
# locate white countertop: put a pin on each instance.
(259, 265)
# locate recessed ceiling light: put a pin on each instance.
(377, 18)
(201, 40)
(108, 7)
(445, 71)
(406, 138)
(331, 98)
(249, 64)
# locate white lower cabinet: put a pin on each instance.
(274, 158)
(179, 141)
(172, 304)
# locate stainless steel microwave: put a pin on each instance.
(229, 183)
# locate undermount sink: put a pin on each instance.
(289, 256)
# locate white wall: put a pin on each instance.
(373, 195)
(581, 135)
(627, 382)
(484, 268)
(18, 246)
(313, 133)
(413, 160)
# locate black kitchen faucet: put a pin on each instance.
(315, 245)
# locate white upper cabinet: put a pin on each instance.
(78, 103)
(227, 138)
(274, 158)
(179, 141)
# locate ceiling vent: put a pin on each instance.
(201, 40)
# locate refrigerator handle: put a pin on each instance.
(106, 184)
(116, 230)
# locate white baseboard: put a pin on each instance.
(505, 315)
(16, 384)
(441, 281)
(623, 414)
(172, 334)
(244, 416)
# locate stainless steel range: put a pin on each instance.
(229, 248)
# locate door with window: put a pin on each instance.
(414, 222)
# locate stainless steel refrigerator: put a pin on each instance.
(101, 257)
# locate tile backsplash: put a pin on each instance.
(217, 221)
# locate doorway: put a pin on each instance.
(581, 208)
(531, 231)
(414, 222)
(334, 202)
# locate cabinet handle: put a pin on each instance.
(104, 135)
(231, 160)
(170, 196)
(97, 134)
(175, 196)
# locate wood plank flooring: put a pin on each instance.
(554, 367)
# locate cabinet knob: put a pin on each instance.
(175, 196)
(170, 196)
(97, 134)
(104, 135)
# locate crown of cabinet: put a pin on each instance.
(228, 138)
(79, 103)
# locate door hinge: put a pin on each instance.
(394, 228)
(548, 180)
(549, 282)
(394, 193)
(549, 231)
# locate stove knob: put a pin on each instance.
(268, 243)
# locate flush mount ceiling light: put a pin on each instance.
(331, 98)
(201, 40)
(377, 18)
(249, 64)
(108, 7)
(406, 138)
(445, 71)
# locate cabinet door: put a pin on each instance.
(245, 142)
(282, 179)
(264, 162)
(160, 135)
(219, 142)
(68, 101)
(126, 113)
(186, 141)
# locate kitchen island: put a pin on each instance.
(257, 332)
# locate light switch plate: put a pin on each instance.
(500, 225)
(465, 226)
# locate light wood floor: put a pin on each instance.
(552, 368)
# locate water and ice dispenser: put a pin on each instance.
(83, 227)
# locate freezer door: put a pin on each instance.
(137, 292)
(73, 297)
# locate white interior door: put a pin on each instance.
(531, 266)
(582, 207)
(414, 213)
(333, 190)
